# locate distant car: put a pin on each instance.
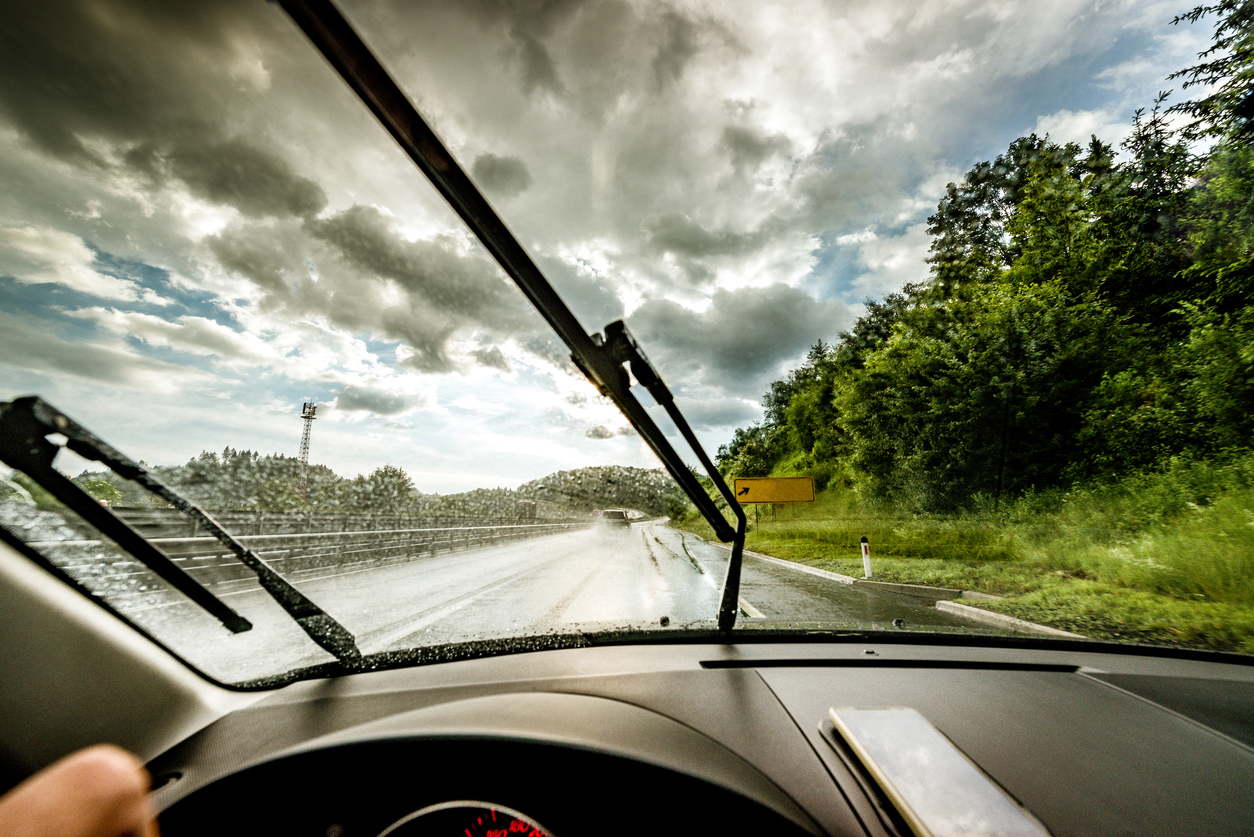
(615, 519)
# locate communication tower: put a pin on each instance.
(307, 414)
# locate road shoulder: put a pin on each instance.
(942, 598)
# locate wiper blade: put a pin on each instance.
(601, 359)
(26, 423)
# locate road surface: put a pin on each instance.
(594, 579)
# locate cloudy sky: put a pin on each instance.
(200, 226)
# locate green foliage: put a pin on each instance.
(980, 395)
(1226, 72)
(102, 489)
(1221, 223)
(752, 452)
(387, 490)
(28, 488)
(970, 240)
(1220, 356)
(1134, 419)
(1165, 556)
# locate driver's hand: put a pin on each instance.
(101, 791)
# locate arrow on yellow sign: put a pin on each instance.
(774, 489)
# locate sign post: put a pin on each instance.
(866, 557)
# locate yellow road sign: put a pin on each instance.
(773, 489)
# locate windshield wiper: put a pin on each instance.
(601, 358)
(25, 425)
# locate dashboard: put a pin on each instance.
(701, 737)
(708, 738)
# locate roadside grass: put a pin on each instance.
(1164, 558)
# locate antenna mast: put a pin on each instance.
(306, 413)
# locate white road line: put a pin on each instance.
(384, 642)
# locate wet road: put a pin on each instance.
(595, 578)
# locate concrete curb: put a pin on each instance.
(802, 568)
(921, 591)
(1001, 620)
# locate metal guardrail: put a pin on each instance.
(206, 560)
(170, 523)
(294, 555)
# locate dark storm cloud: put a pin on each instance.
(332, 267)
(239, 174)
(678, 46)
(374, 400)
(528, 24)
(233, 172)
(705, 413)
(463, 288)
(492, 357)
(156, 81)
(267, 255)
(107, 76)
(675, 232)
(504, 176)
(601, 432)
(749, 147)
(538, 70)
(743, 337)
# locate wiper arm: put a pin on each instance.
(601, 359)
(26, 423)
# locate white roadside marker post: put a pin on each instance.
(866, 558)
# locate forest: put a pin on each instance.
(244, 480)
(1086, 317)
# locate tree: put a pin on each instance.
(1221, 230)
(970, 242)
(387, 490)
(982, 395)
(1220, 357)
(1226, 69)
(752, 452)
(1139, 235)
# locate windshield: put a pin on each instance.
(957, 302)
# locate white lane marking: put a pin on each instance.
(384, 642)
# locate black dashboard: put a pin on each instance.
(725, 738)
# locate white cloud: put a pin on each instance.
(195, 335)
(892, 262)
(33, 345)
(34, 255)
(1078, 126)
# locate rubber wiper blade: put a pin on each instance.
(25, 425)
(601, 359)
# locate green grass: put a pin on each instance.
(1164, 558)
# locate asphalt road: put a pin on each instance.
(596, 578)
